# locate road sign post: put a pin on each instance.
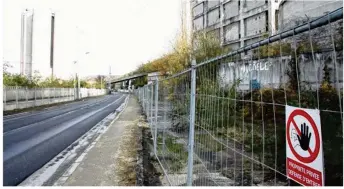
(304, 146)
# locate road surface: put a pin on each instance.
(32, 139)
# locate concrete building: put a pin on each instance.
(235, 23)
(291, 12)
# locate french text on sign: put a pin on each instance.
(304, 146)
(303, 174)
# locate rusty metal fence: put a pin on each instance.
(222, 122)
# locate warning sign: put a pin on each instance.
(304, 146)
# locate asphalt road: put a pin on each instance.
(32, 139)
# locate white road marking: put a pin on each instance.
(42, 175)
(15, 116)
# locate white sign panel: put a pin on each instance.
(304, 146)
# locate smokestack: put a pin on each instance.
(52, 44)
(22, 43)
(28, 44)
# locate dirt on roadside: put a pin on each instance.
(135, 164)
(151, 171)
(126, 162)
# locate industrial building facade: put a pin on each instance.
(290, 12)
(237, 23)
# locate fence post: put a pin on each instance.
(156, 114)
(5, 100)
(192, 123)
(17, 96)
(151, 104)
(42, 96)
(26, 91)
(165, 121)
(143, 98)
(35, 97)
(147, 102)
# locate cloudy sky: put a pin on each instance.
(120, 33)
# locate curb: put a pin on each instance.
(139, 164)
(62, 180)
(51, 173)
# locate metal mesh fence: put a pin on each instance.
(238, 116)
(16, 97)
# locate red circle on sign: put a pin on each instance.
(315, 153)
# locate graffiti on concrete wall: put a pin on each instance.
(272, 72)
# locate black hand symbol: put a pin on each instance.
(304, 138)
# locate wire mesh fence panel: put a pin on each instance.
(18, 97)
(172, 127)
(240, 109)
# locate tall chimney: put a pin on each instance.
(52, 44)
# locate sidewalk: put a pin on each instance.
(113, 159)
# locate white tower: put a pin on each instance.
(26, 43)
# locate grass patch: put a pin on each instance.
(209, 142)
(174, 153)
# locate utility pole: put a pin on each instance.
(109, 84)
(22, 25)
(101, 82)
(76, 91)
(78, 86)
(52, 35)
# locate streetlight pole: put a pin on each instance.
(78, 51)
(77, 75)
(75, 80)
(79, 94)
(101, 82)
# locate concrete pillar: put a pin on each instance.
(129, 87)
(205, 17)
(222, 38)
(242, 25)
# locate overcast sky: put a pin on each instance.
(122, 34)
